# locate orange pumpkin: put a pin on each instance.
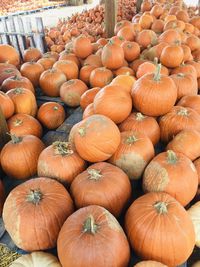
(66, 55)
(190, 101)
(1, 196)
(82, 47)
(32, 71)
(93, 60)
(172, 56)
(88, 97)
(32, 54)
(146, 38)
(85, 72)
(17, 82)
(69, 68)
(131, 50)
(9, 54)
(6, 105)
(100, 77)
(170, 36)
(185, 69)
(193, 42)
(197, 166)
(145, 68)
(89, 111)
(150, 264)
(7, 73)
(157, 26)
(127, 33)
(47, 62)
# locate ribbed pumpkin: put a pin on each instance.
(158, 214)
(131, 50)
(69, 68)
(6, 105)
(32, 71)
(133, 153)
(1, 196)
(194, 214)
(100, 77)
(17, 152)
(89, 111)
(150, 264)
(126, 82)
(88, 97)
(163, 175)
(24, 124)
(27, 208)
(7, 73)
(9, 54)
(92, 227)
(85, 72)
(138, 122)
(17, 82)
(96, 138)
(190, 101)
(32, 54)
(151, 87)
(178, 119)
(82, 46)
(47, 62)
(60, 161)
(172, 56)
(92, 187)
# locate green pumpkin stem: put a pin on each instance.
(62, 148)
(131, 139)
(18, 122)
(171, 157)
(15, 139)
(55, 108)
(18, 91)
(161, 207)
(34, 196)
(140, 116)
(94, 174)
(157, 73)
(89, 225)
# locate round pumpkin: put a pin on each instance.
(124, 81)
(34, 213)
(190, 101)
(92, 227)
(17, 82)
(150, 264)
(32, 54)
(100, 77)
(6, 105)
(47, 62)
(32, 71)
(170, 36)
(194, 214)
(172, 56)
(89, 111)
(145, 68)
(185, 69)
(88, 97)
(82, 47)
(69, 68)
(93, 60)
(7, 73)
(158, 214)
(85, 72)
(9, 54)
(146, 38)
(131, 50)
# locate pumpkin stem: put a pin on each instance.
(161, 207)
(131, 139)
(55, 108)
(180, 75)
(94, 174)
(89, 225)
(15, 139)
(155, 61)
(183, 112)
(18, 91)
(34, 196)
(157, 73)
(82, 131)
(140, 116)
(18, 122)
(171, 157)
(62, 148)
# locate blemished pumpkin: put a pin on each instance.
(190, 101)
(51, 115)
(163, 175)
(92, 227)
(151, 87)
(17, 82)
(100, 77)
(36, 259)
(92, 187)
(40, 206)
(60, 161)
(18, 151)
(194, 214)
(158, 214)
(133, 154)
(6, 105)
(96, 147)
(150, 264)
(88, 97)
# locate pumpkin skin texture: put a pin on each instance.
(92, 187)
(163, 175)
(32, 54)
(36, 211)
(172, 56)
(178, 119)
(158, 214)
(133, 154)
(69, 68)
(82, 47)
(32, 71)
(36, 259)
(108, 100)
(96, 147)
(190, 101)
(19, 150)
(9, 54)
(149, 264)
(6, 105)
(1, 196)
(23, 124)
(100, 77)
(126, 82)
(194, 214)
(186, 142)
(154, 94)
(17, 82)
(7, 73)
(61, 162)
(88, 97)
(81, 243)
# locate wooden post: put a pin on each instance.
(110, 16)
(4, 137)
(138, 5)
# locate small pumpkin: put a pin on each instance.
(172, 56)
(69, 68)
(85, 72)
(82, 46)
(32, 54)
(100, 77)
(193, 213)
(88, 97)
(47, 62)
(7, 73)
(9, 54)
(32, 71)
(6, 105)
(131, 50)
(17, 82)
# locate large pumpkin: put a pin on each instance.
(96, 138)
(32, 71)
(190, 101)
(160, 229)
(34, 213)
(6, 105)
(163, 175)
(17, 82)
(9, 54)
(100, 77)
(194, 213)
(19, 156)
(92, 237)
(92, 187)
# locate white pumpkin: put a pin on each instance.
(194, 213)
(36, 259)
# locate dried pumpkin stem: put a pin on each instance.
(82, 131)
(131, 139)
(183, 112)
(34, 196)
(94, 174)
(18, 91)
(140, 116)
(55, 108)
(89, 225)
(15, 139)
(180, 75)
(157, 73)
(171, 157)
(62, 148)
(18, 122)
(161, 207)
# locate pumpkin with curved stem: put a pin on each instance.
(82, 46)
(32, 71)
(138, 122)
(24, 124)
(37, 199)
(172, 56)
(100, 77)
(163, 175)
(150, 264)
(69, 68)
(1, 196)
(9, 54)
(92, 227)
(193, 213)
(6, 105)
(60, 161)
(155, 215)
(17, 82)
(100, 147)
(88, 97)
(19, 150)
(32, 54)
(178, 119)
(151, 87)
(92, 187)
(133, 154)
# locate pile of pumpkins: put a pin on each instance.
(141, 127)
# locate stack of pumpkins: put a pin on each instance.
(139, 93)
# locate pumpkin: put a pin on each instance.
(146, 38)
(60, 161)
(131, 50)
(124, 71)
(172, 56)
(100, 77)
(32, 71)
(9, 54)
(36, 259)
(126, 33)
(170, 36)
(71, 92)
(17, 82)
(1, 196)
(17, 152)
(24, 124)
(51, 80)
(6, 105)
(133, 154)
(138, 122)
(196, 55)
(32, 54)
(193, 42)
(151, 87)
(47, 62)
(145, 68)
(92, 227)
(146, 21)
(158, 214)
(196, 65)
(51, 54)
(88, 97)
(157, 26)
(193, 213)
(7, 73)
(112, 56)
(163, 175)
(92, 187)
(187, 53)
(182, 15)
(146, 6)
(96, 147)
(108, 100)
(157, 10)
(125, 81)
(149, 264)
(66, 55)
(24, 101)
(197, 166)
(89, 111)
(186, 142)
(178, 119)
(85, 72)
(34, 213)
(82, 46)
(69, 68)
(185, 69)
(93, 60)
